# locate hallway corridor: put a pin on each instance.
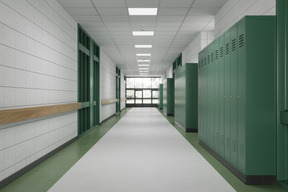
(142, 152)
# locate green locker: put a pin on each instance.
(217, 96)
(247, 106)
(233, 97)
(221, 93)
(205, 96)
(168, 96)
(200, 96)
(210, 92)
(186, 97)
(160, 102)
(227, 94)
(282, 66)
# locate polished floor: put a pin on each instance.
(44, 176)
(142, 152)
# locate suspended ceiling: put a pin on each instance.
(177, 23)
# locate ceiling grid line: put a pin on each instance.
(177, 33)
(106, 28)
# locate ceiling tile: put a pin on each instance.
(115, 18)
(143, 19)
(170, 18)
(176, 3)
(109, 3)
(209, 3)
(173, 11)
(81, 11)
(112, 11)
(117, 24)
(142, 3)
(75, 3)
(202, 11)
(88, 18)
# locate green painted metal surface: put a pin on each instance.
(282, 64)
(186, 96)
(160, 99)
(237, 100)
(118, 89)
(88, 81)
(168, 96)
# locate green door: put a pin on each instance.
(282, 64)
(88, 82)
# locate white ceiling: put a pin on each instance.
(177, 23)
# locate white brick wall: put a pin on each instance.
(38, 66)
(107, 85)
(234, 10)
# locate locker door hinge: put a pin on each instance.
(284, 117)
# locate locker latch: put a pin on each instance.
(284, 117)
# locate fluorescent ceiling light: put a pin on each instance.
(143, 46)
(143, 33)
(142, 11)
(143, 60)
(143, 65)
(143, 54)
(140, 68)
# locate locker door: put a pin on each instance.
(217, 96)
(212, 95)
(221, 93)
(241, 53)
(227, 110)
(282, 128)
(205, 79)
(208, 109)
(200, 98)
(233, 99)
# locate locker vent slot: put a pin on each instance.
(221, 51)
(212, 57)
(216, 55)
(227, 49)
(234, 146)
(233, 44)
(241, 40)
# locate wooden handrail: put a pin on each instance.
(123, 99)
(14, 115)
(108, 101)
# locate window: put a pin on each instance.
(142, 91)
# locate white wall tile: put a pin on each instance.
(107, 85)
(34, 55)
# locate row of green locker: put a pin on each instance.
(237, 100)
(180, 95)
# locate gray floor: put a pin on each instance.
(143, 152)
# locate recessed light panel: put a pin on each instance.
(143, 65)
(143, 60)
(143, 33)
(143, 54)
(143, 46)
(142, 11)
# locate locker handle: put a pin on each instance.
(284, 117)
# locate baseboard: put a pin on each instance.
(247, 179)
(24, 170)
(190, 130)
(108, 118)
